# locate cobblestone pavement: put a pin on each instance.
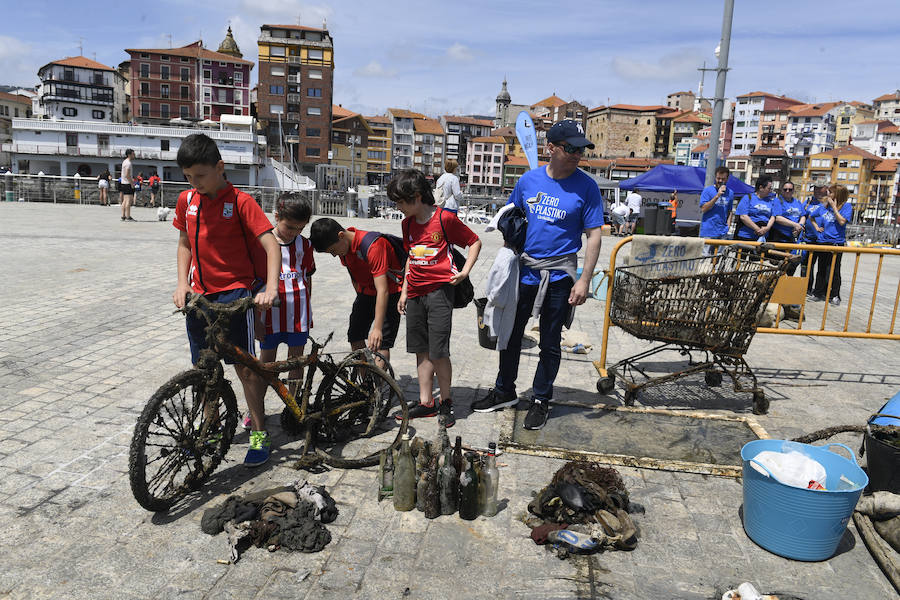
(89, 334)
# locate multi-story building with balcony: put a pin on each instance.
(773, 162)
(811, 129)
(888, 107)
(190, 83)
(747, 115)
(403, 140)
(350, 133)
(847, 165)
(847, 115)
(89, 148)
(294, 98)
(12, 106)
(883, 191)
(80, 89)
(486, 161)
(378, 154)
(459, 130)
(556, 109)
(881, 138)
(687, 125)
(428, 153)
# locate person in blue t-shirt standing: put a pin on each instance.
(756, 212)
(716, 206)
(811, 231)
(833, 217)
(560, 202)
(789, 223)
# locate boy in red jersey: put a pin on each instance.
(427, 294)
(216, 224)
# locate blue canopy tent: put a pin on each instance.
(687, 180)
(657, 183)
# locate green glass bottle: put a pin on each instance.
(404, 478)
(468, 490)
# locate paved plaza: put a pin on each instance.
(88, 335)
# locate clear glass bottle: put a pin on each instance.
(491, 482)
(468, 490)
(449, 484)
(404, 478)
(386, 479)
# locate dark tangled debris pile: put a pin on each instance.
(589, 500)
(290, 517)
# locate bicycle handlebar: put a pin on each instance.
(766, 249)
(194, 301)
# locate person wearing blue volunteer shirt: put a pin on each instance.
(833, 217)
(788, 224)
(560, 203)
(716, 206)
(756, 212)
(811, 231)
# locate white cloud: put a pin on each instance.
(374, 69)
(18, 60)
(460, 53)
(676, 65)
(286, 12)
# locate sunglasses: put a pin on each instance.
(570, 149)
(784, 189)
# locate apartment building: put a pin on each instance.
(190, 82)
(881, 138)
(748, 111)
(883, 191)
(12, 106)
(688, 124)
(459, 130)
(556, 109)
(350, 133)
(486, 165)
(773, 162)
(378, 153)
(428, 151)
(80, 89)
(811, 129)
(888, 107)
(403, 138)
(848, 114)
(294, 97)
(626, 168)
(848, 165)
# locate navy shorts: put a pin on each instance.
(127, 190)
(429, 319)
(362, 315)
(292, 339)
(240, 332)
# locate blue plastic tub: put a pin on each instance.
(891, 408)
(798, 523)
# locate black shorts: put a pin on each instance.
(240, 332)
(429, 320)
(362, 315)
(127, 190)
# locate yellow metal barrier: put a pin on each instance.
(792, 291)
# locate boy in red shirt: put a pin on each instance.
(217, 223)
(426, 297)
(376, 275)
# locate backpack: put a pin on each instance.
(463, 292)
(396, 243)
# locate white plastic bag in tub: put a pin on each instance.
(792, 467)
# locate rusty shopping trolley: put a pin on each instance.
(701, 306)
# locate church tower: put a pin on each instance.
(502, 112)
(229, 46)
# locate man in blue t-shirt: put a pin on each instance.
(561, 203)
(716, 206)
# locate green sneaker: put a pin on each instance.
(259, 449)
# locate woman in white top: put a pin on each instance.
(447, 193)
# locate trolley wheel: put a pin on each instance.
(713, 378)
(630, 397)
(179, 439)
(352, 433)
(760, 403)
(606, 384)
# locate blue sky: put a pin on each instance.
(450, 57)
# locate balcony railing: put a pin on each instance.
(293, 98)
(113, 152)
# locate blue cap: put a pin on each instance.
(569, 131)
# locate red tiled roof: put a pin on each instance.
(639, 163)
(888, 129)
(401, 113)
(691, 117)
(194, 50)
(511, 160)
(768, 95)
(681, 94)
(504, 132)
(339, 112)
(857, 103)
(550, 101)
(812, 110)
(852, 150)
(893, 96)
(468, 121)
(494, 139)
(638, 108)
(294, 27)
(596, 108)
(380, 119)
(80, 61)
(595, 162)
(886, 166)
(769, 152)
(700, 148)
(15, 98)
(428, 126)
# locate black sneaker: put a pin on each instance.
(537, 414)
(420, 411)
(445, 414)
(493, 401)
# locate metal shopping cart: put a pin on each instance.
(707, 306)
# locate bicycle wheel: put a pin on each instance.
(180, 438)
(360, 356)
(351, 433)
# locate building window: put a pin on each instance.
(163, 111)
(164, 145)
(69, 112)
(164, 90)
(185, 112)
(313, 110)
(239, 78)
(145, 109)
(276, 50)
(98, 114)
(144, 55)
(145, 89)
(238, 97)
(276, 109)
(313, 132)
(185, 92)
(145, 70)
(314, 92)
(207, 95)
(276, 70)
(207, 76)
(626, 138)
(164, 72)
(223, 96)
(276, 90)
(314, 54)
(185, 74)
(312, 151)
(314, 74)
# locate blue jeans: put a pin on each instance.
(554, 312)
